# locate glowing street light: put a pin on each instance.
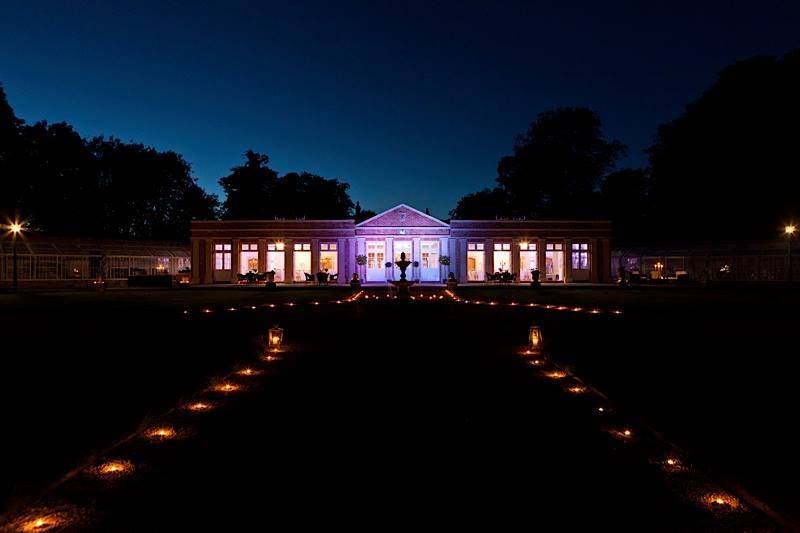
(789, 230)
(16, 230)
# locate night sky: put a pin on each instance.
(407, 102)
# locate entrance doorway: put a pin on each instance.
(400, 247)
(376, 256)
(429, 261)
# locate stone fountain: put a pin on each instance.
(403, 285)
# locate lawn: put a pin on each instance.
(387, 395)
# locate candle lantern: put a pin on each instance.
(535, 340)
(275, 338)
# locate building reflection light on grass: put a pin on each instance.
(247, 371)
(577, 389)
(555, 374)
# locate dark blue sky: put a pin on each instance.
(407, 102)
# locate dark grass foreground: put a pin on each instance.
(385, 414)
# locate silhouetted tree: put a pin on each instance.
(558, 165)
(624, 201)
(10, 154)
(62, 184)
(254, 191)
(727, 167)
(360, 215)
(147, 193)
(487, 204)
(556, 170)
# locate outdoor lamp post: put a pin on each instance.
(275, 337)
(16, 230)
(535, 340)
(789, 230)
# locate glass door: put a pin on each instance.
(376, 254)
(400, 247)
(429, 260)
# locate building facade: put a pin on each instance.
(473, 250)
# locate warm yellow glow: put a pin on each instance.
(534, 339)
(577, 389)
(601, 410)
(113, 469)
(199, 406)
(789, 229)
(161, 433)
(226, 387)
(15, 227)
(536, 362)
(247, 371)
(721, 501)
(556, 374)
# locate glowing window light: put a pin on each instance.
(275, 337)
(535, 339)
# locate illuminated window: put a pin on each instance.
(222, 256)
(328, 257)
(580, 256)
(248, 258)
(502, 256)
(554, 261)
(475, 262)
(528, 260)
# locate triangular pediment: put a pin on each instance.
(402, 216)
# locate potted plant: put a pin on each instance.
(444, 260)
(361, 260)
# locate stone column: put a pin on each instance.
(341, 261)
(314, 257)
(389, 258)
(444, 249)
(209, 254)
(488, 256)
(235, 256)
(262, 255)
(416, 255)
(461, 259)
(515, 266)
(361, 249)
(288, 261)
(196, 261)
(567, 260)
(540, 258)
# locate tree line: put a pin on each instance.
(63, 184)
(724, 169)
